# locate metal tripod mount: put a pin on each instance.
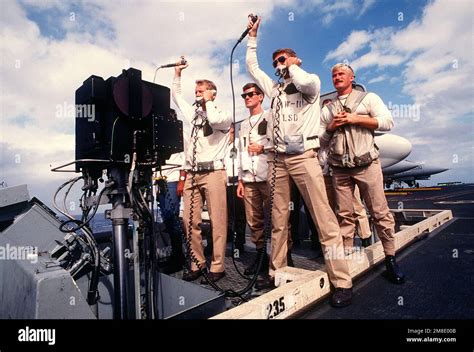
(119, 214)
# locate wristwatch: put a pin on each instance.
(182, 175)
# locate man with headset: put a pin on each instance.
(360, 215)
(293, 132)
(206, 176)
(347, 128)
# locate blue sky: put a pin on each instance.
(409, 52)
(312, 39)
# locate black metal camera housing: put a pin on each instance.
(121, 116)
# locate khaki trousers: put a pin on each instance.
(361, 218)
(306, 172)
(256, 200)
(369, 179)
(211, 187)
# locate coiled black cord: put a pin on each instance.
(233, 200)
(190, 254)
(194, 133)
(276, 137)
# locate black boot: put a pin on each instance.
(365, 242)
(267, 282)
(289, 259)
(315, 244)
(190, 275)
(342, 297)
(252, 269)
(393, 271)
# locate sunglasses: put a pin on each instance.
(280, 59)
(249, 94)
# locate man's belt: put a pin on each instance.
(208, 166)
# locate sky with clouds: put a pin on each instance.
(417, 55)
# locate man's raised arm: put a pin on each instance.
(177, 96)
(260, 77)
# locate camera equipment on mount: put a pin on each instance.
(128, 116)
(128, 130)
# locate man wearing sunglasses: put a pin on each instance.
(204, 163)
(347, 127)
(253, 187)
(293, 131)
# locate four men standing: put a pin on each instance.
(280, 145)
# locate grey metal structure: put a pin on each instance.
(178, 299)
(33, 285)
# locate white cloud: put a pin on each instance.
(374, 58)
(328, 10)
(377, 79)
(365, 6)
(380, 53)
(162, 30)
(356, 41)
(436, 75)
